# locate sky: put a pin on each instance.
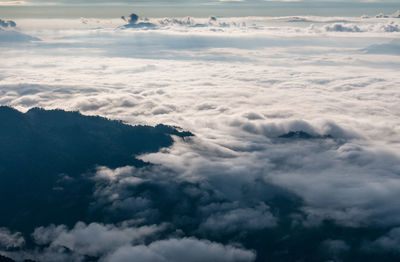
(107, 9)
(294, 123)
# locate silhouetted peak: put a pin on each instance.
(10, 110)
(302, 135)
(5, 259)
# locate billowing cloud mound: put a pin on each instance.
(133, 22)
(8, 23)
(394, 15)
(9, 36)
(10, 239)
(93, 240)
(342, 28)
(186, 249)
(132, 19)
(123, 243)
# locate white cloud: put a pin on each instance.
(12, 3)
(89, 240)
(123, 242)
(319, 85)
(10, 239)
(186, 249)
(240, 219)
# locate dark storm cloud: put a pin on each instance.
(388, 242)
(133, 22)
(8, 23)
(335, 246)
(131, 19)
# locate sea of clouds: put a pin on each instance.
(240, 85)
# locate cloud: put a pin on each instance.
(135, 193)
(240, 219)
(7, 36)
(394, 15)
(132, 19)
(390, 27)
(393, 47)
(8, 23)
(186, 249)
(10, 240)
(11, 3)
(121, 243)
(133, 22)
(92, 240)
(342, 28)
(388, 242)
(336, 246)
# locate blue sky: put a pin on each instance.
(103, 8)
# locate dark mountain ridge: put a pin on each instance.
(39, 147)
